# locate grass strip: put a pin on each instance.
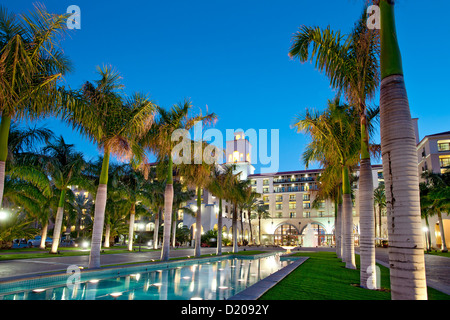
(324, 277)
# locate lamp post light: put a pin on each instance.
(3, 214)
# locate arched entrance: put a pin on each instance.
(286, 235)
(313, 235)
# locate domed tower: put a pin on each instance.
(238, 152)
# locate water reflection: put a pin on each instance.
(209, 281)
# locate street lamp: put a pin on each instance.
(3, 214)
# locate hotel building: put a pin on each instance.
(289, 196)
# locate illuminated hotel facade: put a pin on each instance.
(289, 197)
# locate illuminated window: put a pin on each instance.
(248, 157)
(235, 156)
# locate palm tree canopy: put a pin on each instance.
(31, 62)
(351, 62)
(100, 112)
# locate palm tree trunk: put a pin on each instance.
(107, 235)
(219, 229)
(4, 135)
(242, 226)
(348, 238)
(367, 223)
(234, 226)
(58, 222)
(131, 227)
(250, 241)
(428, 233)
(174, 230)
(198, 223)
(99, 214)
(156, 231)
(259, 227)
(44, 235)
(398, 148)
(337, 226)
(441, 229)
(168, 204)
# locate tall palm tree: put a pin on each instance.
(197, 174)
(352, 64)
(100, 113)
(236, 194)
(31, 62)
(398, 146)
(159, 141)
(335, 142)
(222, 178)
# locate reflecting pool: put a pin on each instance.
(205, 280)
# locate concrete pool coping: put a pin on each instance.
(255, 291)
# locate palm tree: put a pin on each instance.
(197, 174)
(31, 62)
(398, 146)
(157, 207)
(180, 197)
(82, 206)
(432, 199)
(132, 187)
(335, 142)
(379, 199)
(330, 188)
(351, 64)
(235, 194)
(262, 212)
(222, 177)
(64, 165)
(100, 113)
(251, 203)
(159, 141)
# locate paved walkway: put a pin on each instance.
(437, 269)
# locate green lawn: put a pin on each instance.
(439, 253)
(324, 277)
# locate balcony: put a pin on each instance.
(302, 179)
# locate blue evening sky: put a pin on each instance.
(232, 56)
